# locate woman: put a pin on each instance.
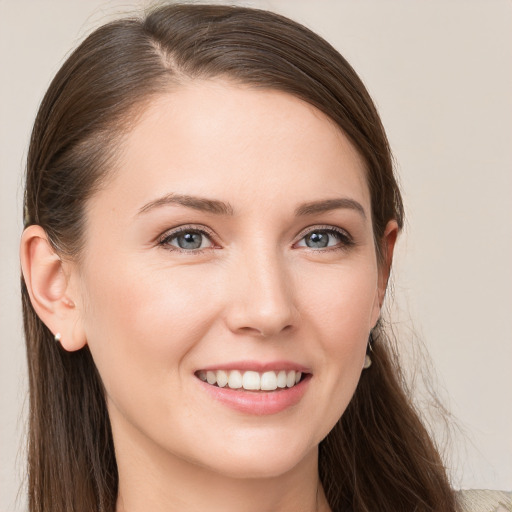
(211, 214)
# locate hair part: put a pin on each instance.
(378, 456)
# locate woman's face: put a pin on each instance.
(234, 242)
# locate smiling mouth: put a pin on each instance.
(251, 380)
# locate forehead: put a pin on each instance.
(255, 147)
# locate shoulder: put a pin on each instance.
(481, 500)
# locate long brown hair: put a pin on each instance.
(378, 456)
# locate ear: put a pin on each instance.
(387, 247)
(47, 281)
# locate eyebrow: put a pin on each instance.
(326, 205)
(222, 208)
(197, 203)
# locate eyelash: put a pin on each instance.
(164, 241)
(346, 241)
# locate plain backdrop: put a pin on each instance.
(440, 72)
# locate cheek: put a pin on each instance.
(140, 324)
(340, 301)
(339, 310)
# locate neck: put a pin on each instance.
(152, 479)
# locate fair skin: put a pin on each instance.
(261, 283)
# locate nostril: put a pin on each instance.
(265, 332)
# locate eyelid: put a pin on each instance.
(173, 232)
(347, 239)
(324, 227)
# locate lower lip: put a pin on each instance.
(258, 403)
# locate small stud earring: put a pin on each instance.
(58, 337)
(68, 302)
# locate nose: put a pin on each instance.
(261, 296)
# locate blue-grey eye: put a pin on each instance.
(189, 240)
(317, 239)
(321, 238)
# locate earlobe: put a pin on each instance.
(47, 285)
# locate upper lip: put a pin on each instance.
(257, 366)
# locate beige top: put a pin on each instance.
(480, 500)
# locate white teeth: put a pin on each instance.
(268, 381)
(251, 380)
(290, 379)
(235, 379)
(222, 378)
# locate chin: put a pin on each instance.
(263, 459)
(270, 466)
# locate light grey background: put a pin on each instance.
(440, 72)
